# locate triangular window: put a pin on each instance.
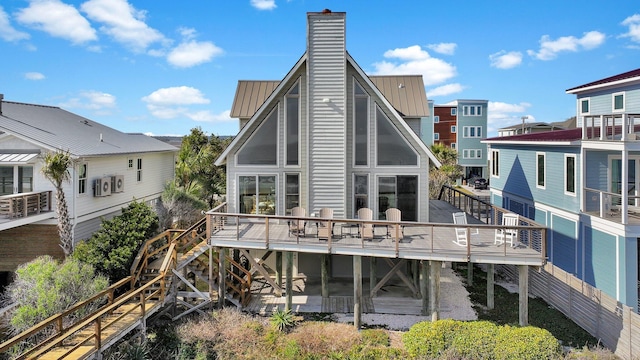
(262, 146)
(391, 147)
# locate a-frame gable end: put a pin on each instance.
(392, 149)
(261, 148)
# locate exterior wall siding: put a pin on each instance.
(600, 248)
(563, 243)
(327, 125)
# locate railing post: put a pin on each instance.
(97, 333)
(266, 235)
(142, 305)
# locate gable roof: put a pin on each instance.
(629, 76)
(53, 128)
(405, 93)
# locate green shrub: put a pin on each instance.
(282, 320)
(112, 249)
(374, 337)
(475, 339)
(430, 339)
(526, 343)
(44, 287)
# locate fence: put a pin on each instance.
(616, 325)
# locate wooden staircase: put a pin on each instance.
(165, 269)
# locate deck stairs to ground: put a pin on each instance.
(170, 271)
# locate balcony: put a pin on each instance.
(612, 206)
(20, 206)
(611, 127)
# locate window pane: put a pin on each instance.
(472, 110)
(454, 111)
(261, 148)
(292, 129)
(292, 196)
(391, 146)
(570, 170)
(386, 195)
(618, 102)
(361, 131)
(408, 197)
(479, 112)
(584, 106)
(540, 170)
(472, 131)
(479, 131)
(361, 192)
(25, 179)
(247, 191)
(436, 119)
(267, 199)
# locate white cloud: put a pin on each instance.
(34, 76)
(500, 114)
(8, 32)
(633, 22)
(444, 48)
(549, 49)
(191, 52)
(123, 23)
(415, 61)
(98, 102)
(264, 4)
(506, 60)
(445, 90)
(58, 20)
(176, 102)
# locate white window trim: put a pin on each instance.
(588, 100)
(353, 190)
(436, 119)
(544, 165)
(256, 174)
(454, 111)
(139, 171)
(453, 145)
(477, 110)
(377, 191)
(286, 156)
(353, 129)
(575, 175)
(613, 101)
(264, 119)
(86, 180)
(453, 129)
(284, 189)
(495, 174)
(436, 136)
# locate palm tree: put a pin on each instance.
(56, 169)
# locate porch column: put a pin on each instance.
(373, 276)
(470, 273)
(324, 275)
(434, 289)
(523, 288)
(279, 268)
(222, 276)
(490, 286)
(624, 190)
(424, 285)
(289, 281)
(415, 272)
(357, 291)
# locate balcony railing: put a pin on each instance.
(611, 206)
(622, 127)
(25, 204)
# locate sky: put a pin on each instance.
(165, 67)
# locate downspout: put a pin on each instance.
(73, 197)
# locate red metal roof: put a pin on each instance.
(556, 135)
(626, 75)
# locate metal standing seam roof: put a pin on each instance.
(615, 78)
(405, 92)
(55, 128)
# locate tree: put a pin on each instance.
(180, 206)
(44, 287)
(56, 169)
(112, 249)
(448, 172)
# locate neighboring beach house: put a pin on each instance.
(583, 184)
(112, 169)
(329, 136)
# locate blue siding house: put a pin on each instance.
(584, 184)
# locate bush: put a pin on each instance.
(526, 343)
(44, 287)
(321, 339)
(282, 320)
(476, 339)
(112, 249)
(430, 339)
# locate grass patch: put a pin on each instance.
(505, 311)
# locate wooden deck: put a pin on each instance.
(421, 241)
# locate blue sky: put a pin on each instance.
(165, 67)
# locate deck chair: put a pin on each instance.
(505, 234)
(365, 229)
(395, 215)
(296, 227)
(460, 218)
(324, 232)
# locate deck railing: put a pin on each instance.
(25, 204)
(620, 126)
(473, 205)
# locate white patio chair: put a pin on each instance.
(297, 226)
(460, 218)
(323, 226)
(395, 215)
(366, 229)
(506, 234)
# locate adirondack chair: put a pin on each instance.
(460, 218)
(505, 234)
(324, 232)
(395, 215)
(366, 229)
(296, 227)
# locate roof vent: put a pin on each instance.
(326, 11)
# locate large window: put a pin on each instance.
(472, 131)
(139, 170)
(541, 167)
(472, 153)
(360, 125)
(257, 194)
(398, 192)
(570, 174)
(618, 101)
(262, 146)
(360, 192)
(293, 125)
(292, 192)
(495, 163)
(472, 110)
(392, 149)
(16, 179)
(82, 178)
